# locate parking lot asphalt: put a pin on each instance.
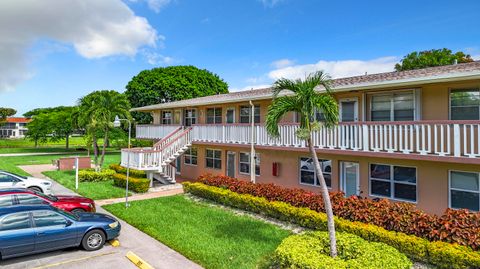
(131, 239)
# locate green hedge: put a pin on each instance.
(312, 250)
(122, 170)
(139, 185)
(92, 176)
(441, 254)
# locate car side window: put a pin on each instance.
(30, 199)
(16, 221)
(4, 178)
(48, 218)
(6, 200)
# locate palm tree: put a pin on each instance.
(96, 113)
(306, 101)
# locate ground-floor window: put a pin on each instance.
(245, 163)
(464, 190)
(190, 156)
(308, 175)
(392, 181)
(213, 159)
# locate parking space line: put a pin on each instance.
(74, 260)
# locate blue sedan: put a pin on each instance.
(39, 228)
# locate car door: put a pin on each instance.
(30, 199)
(53, 231)
(6, 200)
(17, 236)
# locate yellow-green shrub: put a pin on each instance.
(312, 250)
(441, 254)
(92, 176)
(139, 185)
(122, 170)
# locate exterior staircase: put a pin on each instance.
(159, 161)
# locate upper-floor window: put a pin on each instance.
(214, 115)
(308, 174)
(393, 107)
(465, 104)
(391, 181)
(245, 114)
(167, 117)
(464, 190)
(190, 117)
(230, 116)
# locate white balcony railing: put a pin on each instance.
(427, 138)
(154, 131)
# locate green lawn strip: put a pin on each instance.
(211, 236)
(76, 141)
(94, 190)
(36, 150)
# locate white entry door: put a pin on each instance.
(349, 110)
(350, 178)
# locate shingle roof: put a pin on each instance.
(456, 71)
(18, 120)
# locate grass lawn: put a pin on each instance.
(36, 150)
(211, 236)
(76, 141)
(10, 163)
(93, 190)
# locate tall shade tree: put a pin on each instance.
(96, 112)
(304, 100)
(172, 83)
(39, 129)
(430, 58)
(6, 112)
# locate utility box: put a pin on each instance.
(68, 163)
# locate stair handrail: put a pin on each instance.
(173, 146)
(167, 138)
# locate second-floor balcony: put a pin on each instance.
(439, 140)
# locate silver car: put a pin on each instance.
(11, 180)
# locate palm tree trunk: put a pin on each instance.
(105, 139)
(95, 151)
(326, 200)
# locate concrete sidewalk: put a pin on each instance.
(131, 239)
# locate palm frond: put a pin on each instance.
(328, 105)
(277, 110)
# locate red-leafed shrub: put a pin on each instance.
(454, 226)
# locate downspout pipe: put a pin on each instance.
(252, 142)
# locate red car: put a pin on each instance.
(74, 204)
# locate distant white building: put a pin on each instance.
(15, 127)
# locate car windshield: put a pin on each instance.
(66, 214)
(48, 197)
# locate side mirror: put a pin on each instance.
(68, 223)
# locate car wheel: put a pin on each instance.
(37, 189)
(78, 210)
(93, 240)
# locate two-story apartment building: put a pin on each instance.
(409, 136)
(15, 127)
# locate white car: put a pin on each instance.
(11, 180)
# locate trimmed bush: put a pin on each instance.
(122, 170)
(91, 176)
(139, 185)
(312, 250)
(441, 254)
(454, 226)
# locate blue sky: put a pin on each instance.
(249, 43)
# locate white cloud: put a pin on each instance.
(282, 63)
(155, 58)
(250, 87)
(270, 3)
(157, 5)
(94, 28)
(476, 57)
(336, 69)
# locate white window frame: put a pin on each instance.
(416, 105)
(249, 113)
(188, 153)
(314, 173)
(162, 118)
(190, 118)
(450, 188)
(257, 163)
(355, 107)
(450, 98)
(226, 115)
(392, 183)
(213, 158)
(215, 109)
